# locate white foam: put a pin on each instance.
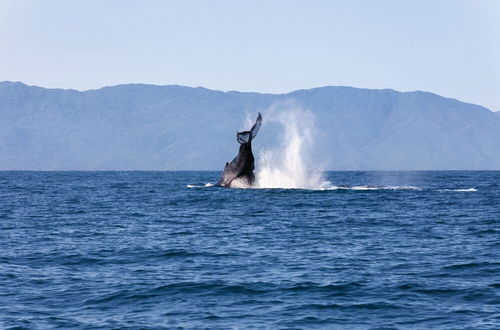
(460, 190)
(206, 185)
(363, 188)
(402, 188)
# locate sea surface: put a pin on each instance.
(129, 250)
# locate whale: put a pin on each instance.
(239, 172)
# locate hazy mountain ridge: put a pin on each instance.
(149, 127)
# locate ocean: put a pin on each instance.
(152, 250)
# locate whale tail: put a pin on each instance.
(248, 136)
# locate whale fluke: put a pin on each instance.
(247, 136)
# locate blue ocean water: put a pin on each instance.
(117, 250)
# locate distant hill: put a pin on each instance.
(147, 127)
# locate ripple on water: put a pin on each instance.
(119, 250)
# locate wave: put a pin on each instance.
(472, 265)
(460, 190)
(365, 187)
(324, 185)
(382, 305)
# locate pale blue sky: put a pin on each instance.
(450, 47)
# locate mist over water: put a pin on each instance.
(290, 164)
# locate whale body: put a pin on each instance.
(239, 172)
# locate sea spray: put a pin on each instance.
(290, 165)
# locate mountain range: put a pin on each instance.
(149, 127)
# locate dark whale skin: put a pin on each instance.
(242, 166)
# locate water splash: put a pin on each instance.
(291, 165)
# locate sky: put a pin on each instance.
(449, 47)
